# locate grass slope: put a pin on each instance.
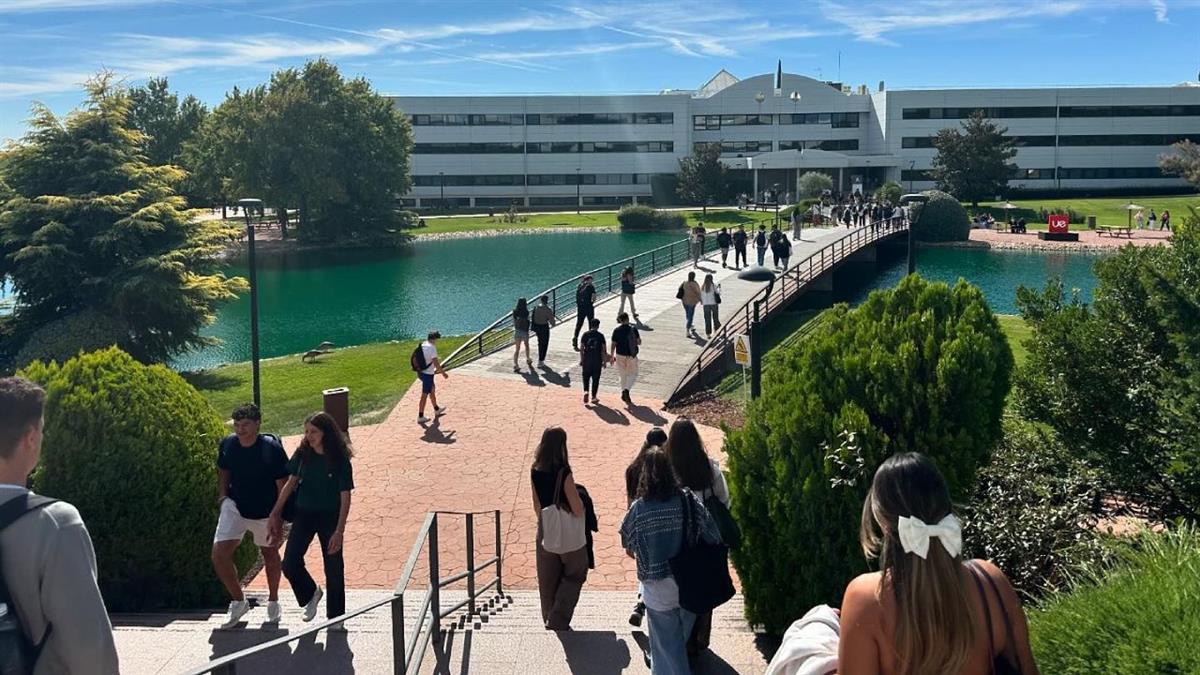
(377, 375)
(1108, 210)
(580, 220)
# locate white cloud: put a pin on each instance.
(874, 21)
(1160, 10)
(17, 83)
(15, 6)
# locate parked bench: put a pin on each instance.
(1114, 230)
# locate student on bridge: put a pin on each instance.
(542, 320)
(560, 575)
(585, 305)
(710, 298)
(739, 247)
(520, 317)
(628, 286)
(689, 294)
(760, 244)
(593, 356)
(626, 342)
(724, 240)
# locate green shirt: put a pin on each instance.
(321, 485)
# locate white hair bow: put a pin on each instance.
(915, 535)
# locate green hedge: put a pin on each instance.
(1141, 617)
(942, 218)
(890, 192)
(641, 217)
(67, 336)
(133, 447)
(921, 367)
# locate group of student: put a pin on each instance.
(739, 240)
(1142, 221)
(668, 469)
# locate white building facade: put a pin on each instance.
(548, 152)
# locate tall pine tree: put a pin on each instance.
(974, 164)
(92, 228)
(702, 177)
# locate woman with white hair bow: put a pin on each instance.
(926, 612)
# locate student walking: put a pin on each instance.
(773, 242)
(251, 470)
(710, 299)
(782, 250)
(585, 307)
(626, 343)
(46, 555)
(702, 475)
(322, 478)
(1140, 219)
(1165, 223)
(760, 244)
(739, 248)
(427, 364)
(560, 575)
(724, 239)
(689, 295)
(697, 244)
(652, 532)
(521, 325)
(1150, 220)
(797, 224)
(593, 356)
(966, 617)
(543, 318)
(628, 287)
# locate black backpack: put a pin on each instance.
(418, 360)
(18, 654)
(593, 348)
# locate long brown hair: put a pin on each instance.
(335, 444)
(658, 481)
(935, 624)
(687, 455)
(551, 452)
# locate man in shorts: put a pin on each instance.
(251, 469)
(433, 366)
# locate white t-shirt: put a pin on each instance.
(430, 353)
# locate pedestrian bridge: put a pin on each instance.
(671, 363)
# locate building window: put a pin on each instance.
(606, 201)
(600, 146)
(921, 142)
(1101, 173)
(552, 201)
(547, 119)
(844, 120)
(915, 174)
(468, 181)
(1129, 111)
(1032, 174)
(408, 201)
(499, 201)
(1126, 139)
(1011, 112)
(728, 147)
(828, 144)
(926, 142)
(466, 148)
(715, 122)
(456, 120)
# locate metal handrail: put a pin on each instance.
(647, 266)
(789, 283)
(405, 652)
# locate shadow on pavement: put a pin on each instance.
(646, 414)
(554, 377)
(594, 652)
(331, 655)
(532, 379)
(434, 434)
(609, 415)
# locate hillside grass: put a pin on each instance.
(1108, 210)
(377, 374)
(584, 220)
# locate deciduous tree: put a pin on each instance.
(974, 164)
(702, 178)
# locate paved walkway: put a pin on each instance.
(666, 352)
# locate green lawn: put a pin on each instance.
(580, 220)
(1017, 332)
(377, 375)
(1108, 210)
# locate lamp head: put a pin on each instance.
(756, 273)
(760, 97)
(916, 198)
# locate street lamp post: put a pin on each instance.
(757, 273)
(911, 166)
(442, 180)
(907, 200)
(256, 205)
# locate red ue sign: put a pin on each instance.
(1059, 223)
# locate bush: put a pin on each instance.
(889, 192)
(641, 217)
(1032, 511)
(1139, 617)
(942, 218)
(813, 183)
(133, 448)
(66, 337)
(922, 367)
(1072, 215)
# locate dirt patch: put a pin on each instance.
(706, 408)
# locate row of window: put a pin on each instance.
(833, 144)
(554, 147)
(1073, 140)
(533, 201)
(434, 180)
(1025, 112)
(1064, 173)
(543, 119)
(716, 122)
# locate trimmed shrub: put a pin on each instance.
(66, 337)
(641, 217)
(1072, 215)
(133, 447)
(1032, 511)
(890, 192)
(921, 367)
(942, 218)
(1139, 617)
(813, 183)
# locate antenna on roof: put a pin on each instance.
(779, 78)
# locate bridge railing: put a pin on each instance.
(787, 285)
(646, 266)
(408, 651)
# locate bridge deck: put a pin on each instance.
(666, 353)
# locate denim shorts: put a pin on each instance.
(426, 383)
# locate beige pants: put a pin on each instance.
(627, 371)
(560, 579)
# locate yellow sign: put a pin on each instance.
(741, 349)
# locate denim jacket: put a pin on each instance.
(653, 531)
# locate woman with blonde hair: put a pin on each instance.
(926, 612)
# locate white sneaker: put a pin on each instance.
(421, 419)
(438, 412)
(310, 610)
(237, 609)
(273, 611)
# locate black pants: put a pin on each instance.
(592, 374)
(585, 314)
(739, 253)
(725, 255)
(305, 525)
(542, 331)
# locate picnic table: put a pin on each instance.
(1114, 230)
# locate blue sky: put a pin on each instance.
(47, 47)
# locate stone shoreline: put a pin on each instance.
(496, 232)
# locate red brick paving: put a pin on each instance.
(477, 458)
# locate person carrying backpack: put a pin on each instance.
(585, 307)
(739, 247)
(724, 240)
(541, 321)
(626, 342)
(425, 361)
(593, 357)
(760, 244)
(54, 619)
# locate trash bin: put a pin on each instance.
(1091, 222)
(337, 404)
